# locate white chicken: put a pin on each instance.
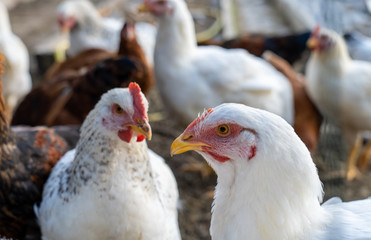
(16, 79)
(111, 186)
(341, 89)
(88, 29)
(268, 186)
(191, 78)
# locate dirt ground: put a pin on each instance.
(35, 21)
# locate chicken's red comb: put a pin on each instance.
(134, 90)
(316, 30)
(200, 117)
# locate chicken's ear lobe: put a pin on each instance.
(135, 92)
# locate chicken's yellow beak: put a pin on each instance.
(143, 8)
(181, 145)
(142, 127)
(312, 43)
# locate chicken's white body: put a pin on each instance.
(16, 79)
(273, 192)
(94, 31)
(109, 189)
(341, 88)
(192, 78)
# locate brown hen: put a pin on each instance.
(289, 47)
(69, 96)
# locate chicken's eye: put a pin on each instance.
(118, 109)
(222, 130)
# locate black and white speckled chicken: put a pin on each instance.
(71, 94)
(111, 186)
(27, 157)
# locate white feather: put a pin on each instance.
(16, 79)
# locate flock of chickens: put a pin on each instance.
(259, 125)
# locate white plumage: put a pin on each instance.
(111, 186)
(191, 78)
(268, 186)
(90, 30)
(266, 17)
(339, 86)
(16, 79)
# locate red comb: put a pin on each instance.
(134, 90)
(201, 117)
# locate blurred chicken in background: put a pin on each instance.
(281, 17)
(191, 78)
(16, 79)
(88, 29)
(341, 89)
(72, 92)
(27, 157)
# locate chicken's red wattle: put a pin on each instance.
(127, 134)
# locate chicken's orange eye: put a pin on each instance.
(118, 109)
(222, 130)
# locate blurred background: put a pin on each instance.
(35, 22)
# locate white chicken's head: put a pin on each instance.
(239, 140)
(123, 112)
(323, 40)
(72, 13)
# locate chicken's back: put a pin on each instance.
(233, 76)
(349, 220)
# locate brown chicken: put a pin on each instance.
(307, 119)
(289, 47)
(27, 157)
(85, 59)
(69, 96)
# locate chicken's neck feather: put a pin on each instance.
(90, 22)
(102, 158)
(5, 27)
(262, 203)
(336, 57)
(176, 34)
